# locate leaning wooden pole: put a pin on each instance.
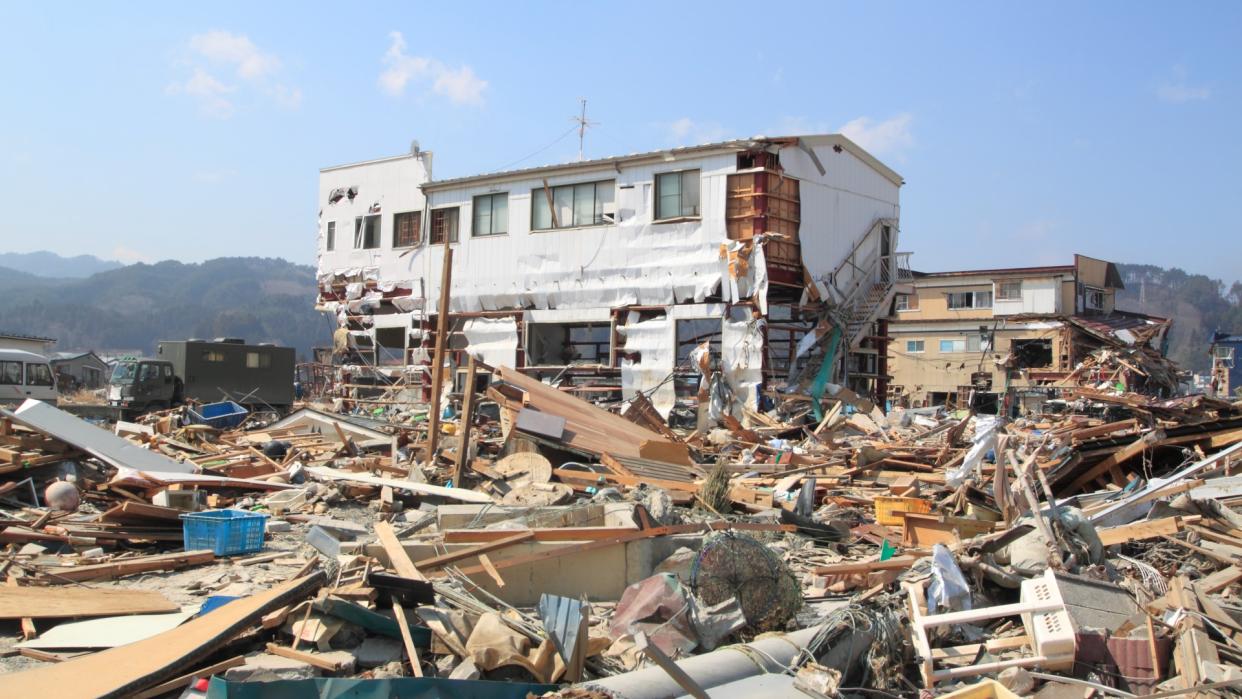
(437, 366)
(467, 420)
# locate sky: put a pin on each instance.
(1025, 132)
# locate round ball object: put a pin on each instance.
(62, 496)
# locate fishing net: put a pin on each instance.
(732, 565)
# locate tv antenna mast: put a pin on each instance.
(583, 125)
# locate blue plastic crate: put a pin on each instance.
(221, 415)
(227, 532)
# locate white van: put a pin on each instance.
(25, 375)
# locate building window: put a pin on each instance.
(677, 194)
(584, 204)
(906, 302)
(444, 225)
(566, 344)
(914, 346)
(948, 346)
(491, 215)
(330, 244)
(1009, 291)
(11, 373)
(213, 356)
(405, 228)
(961, 300)
(258, 360)
(366, 232)
(1093, 299)
(38, 375)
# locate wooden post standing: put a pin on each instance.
(437, 368)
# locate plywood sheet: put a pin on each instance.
(108, 632)
(70, 602)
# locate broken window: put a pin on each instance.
(258, 360)
(694, 332)
(366, 232)
(1093, 299)
(444, 225)
(961, 300)
(405, 228)
(1009, 290)
(491, 215)
(906, 302)
(1031, 354)
(584, 204)
(677, 194)
(562, 344)
(915, 346)
(11, 373)
(330, 243)
(390, 345)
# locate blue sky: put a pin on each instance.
(1025, 132)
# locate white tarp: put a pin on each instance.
(494, 340)
(99, 443)
(655, 342)
(741, 361)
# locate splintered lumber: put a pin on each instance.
(1220, 579)
(1148, 529)
(397, 556)
(437, 366)
(70, 602)
(128, 670)
(117, 569)
(467, 423)
(407, 639)
(447, 558)
(313, 659)
(855, 567)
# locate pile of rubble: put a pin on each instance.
(525, 542)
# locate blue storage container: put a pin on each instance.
(227, 532)
(221, 415)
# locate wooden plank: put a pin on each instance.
(1146, 441)
(71, 602)
(117, 569)
(454, 556)
(129, 669)
(1139, 531)
(314, 659)
(397, 556)
(490, 569)
(593, 478)
(186, 679)
(855, 567)
(467, 422)
(411, 651)
(437, 367)
(1220, 579)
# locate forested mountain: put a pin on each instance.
(133, 307)
(1197, 304)
(49, 264)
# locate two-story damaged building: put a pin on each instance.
(607, 274)
(1007, 340)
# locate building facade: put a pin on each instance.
(75, 370)
(1226, 376)
(1005, 340)
(26, 343)
(608, 274)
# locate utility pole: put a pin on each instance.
(583, 125)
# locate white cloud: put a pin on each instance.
(460, 85)
(889, 137)
(686, 131)
(236, 50)
(123, 254)
(1176, 88)
(252, 69)
(212, 95)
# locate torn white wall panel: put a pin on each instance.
(99, 443)
(494, 340)
(391, 320)
(741, 361)
(655, 342)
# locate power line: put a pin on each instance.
(557, 140)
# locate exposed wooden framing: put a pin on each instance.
(467, 420)
(437, 368)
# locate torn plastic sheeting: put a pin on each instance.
(986, 427)
(353, 290)
(741, 349)
(391, 320)
(403, 687)
(492, 339)
(656, 344)
(948, 588)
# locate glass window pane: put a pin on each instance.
(605, 193)
(563, 197)
(668, 195)
(584, 204)
(541, 215)
(482, 216)
(500, 213)
(690, 193)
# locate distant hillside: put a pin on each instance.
(1197, 304)
(259, 299)
(49, 264)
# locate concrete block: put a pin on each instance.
(265, 667)
(378, 650)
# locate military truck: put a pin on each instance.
(257, 376)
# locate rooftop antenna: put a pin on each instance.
(583, 125)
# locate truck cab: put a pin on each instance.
(140, 385)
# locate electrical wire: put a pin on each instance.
(558, 139)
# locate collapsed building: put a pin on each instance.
(777, 254)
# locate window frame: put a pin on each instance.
(49, 378)
(456, 234)
(360, 231)
(21, 373)
(539, 199)
(330, 237)
(953, 344)
(999, 294)
(491, 203)
(263, 360)
(212, 356)
(1087, 293)
(922, 346)
(416, 237)
(681, 204)
(975, 305)
(907, 298)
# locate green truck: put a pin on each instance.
(259, 376)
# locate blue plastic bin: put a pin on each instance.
(221, 415)
(227, 532)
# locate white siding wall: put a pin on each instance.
(1039, 295)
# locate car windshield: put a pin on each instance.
(124, 372)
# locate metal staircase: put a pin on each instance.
(864, 284)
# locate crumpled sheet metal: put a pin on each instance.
(659, 607)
